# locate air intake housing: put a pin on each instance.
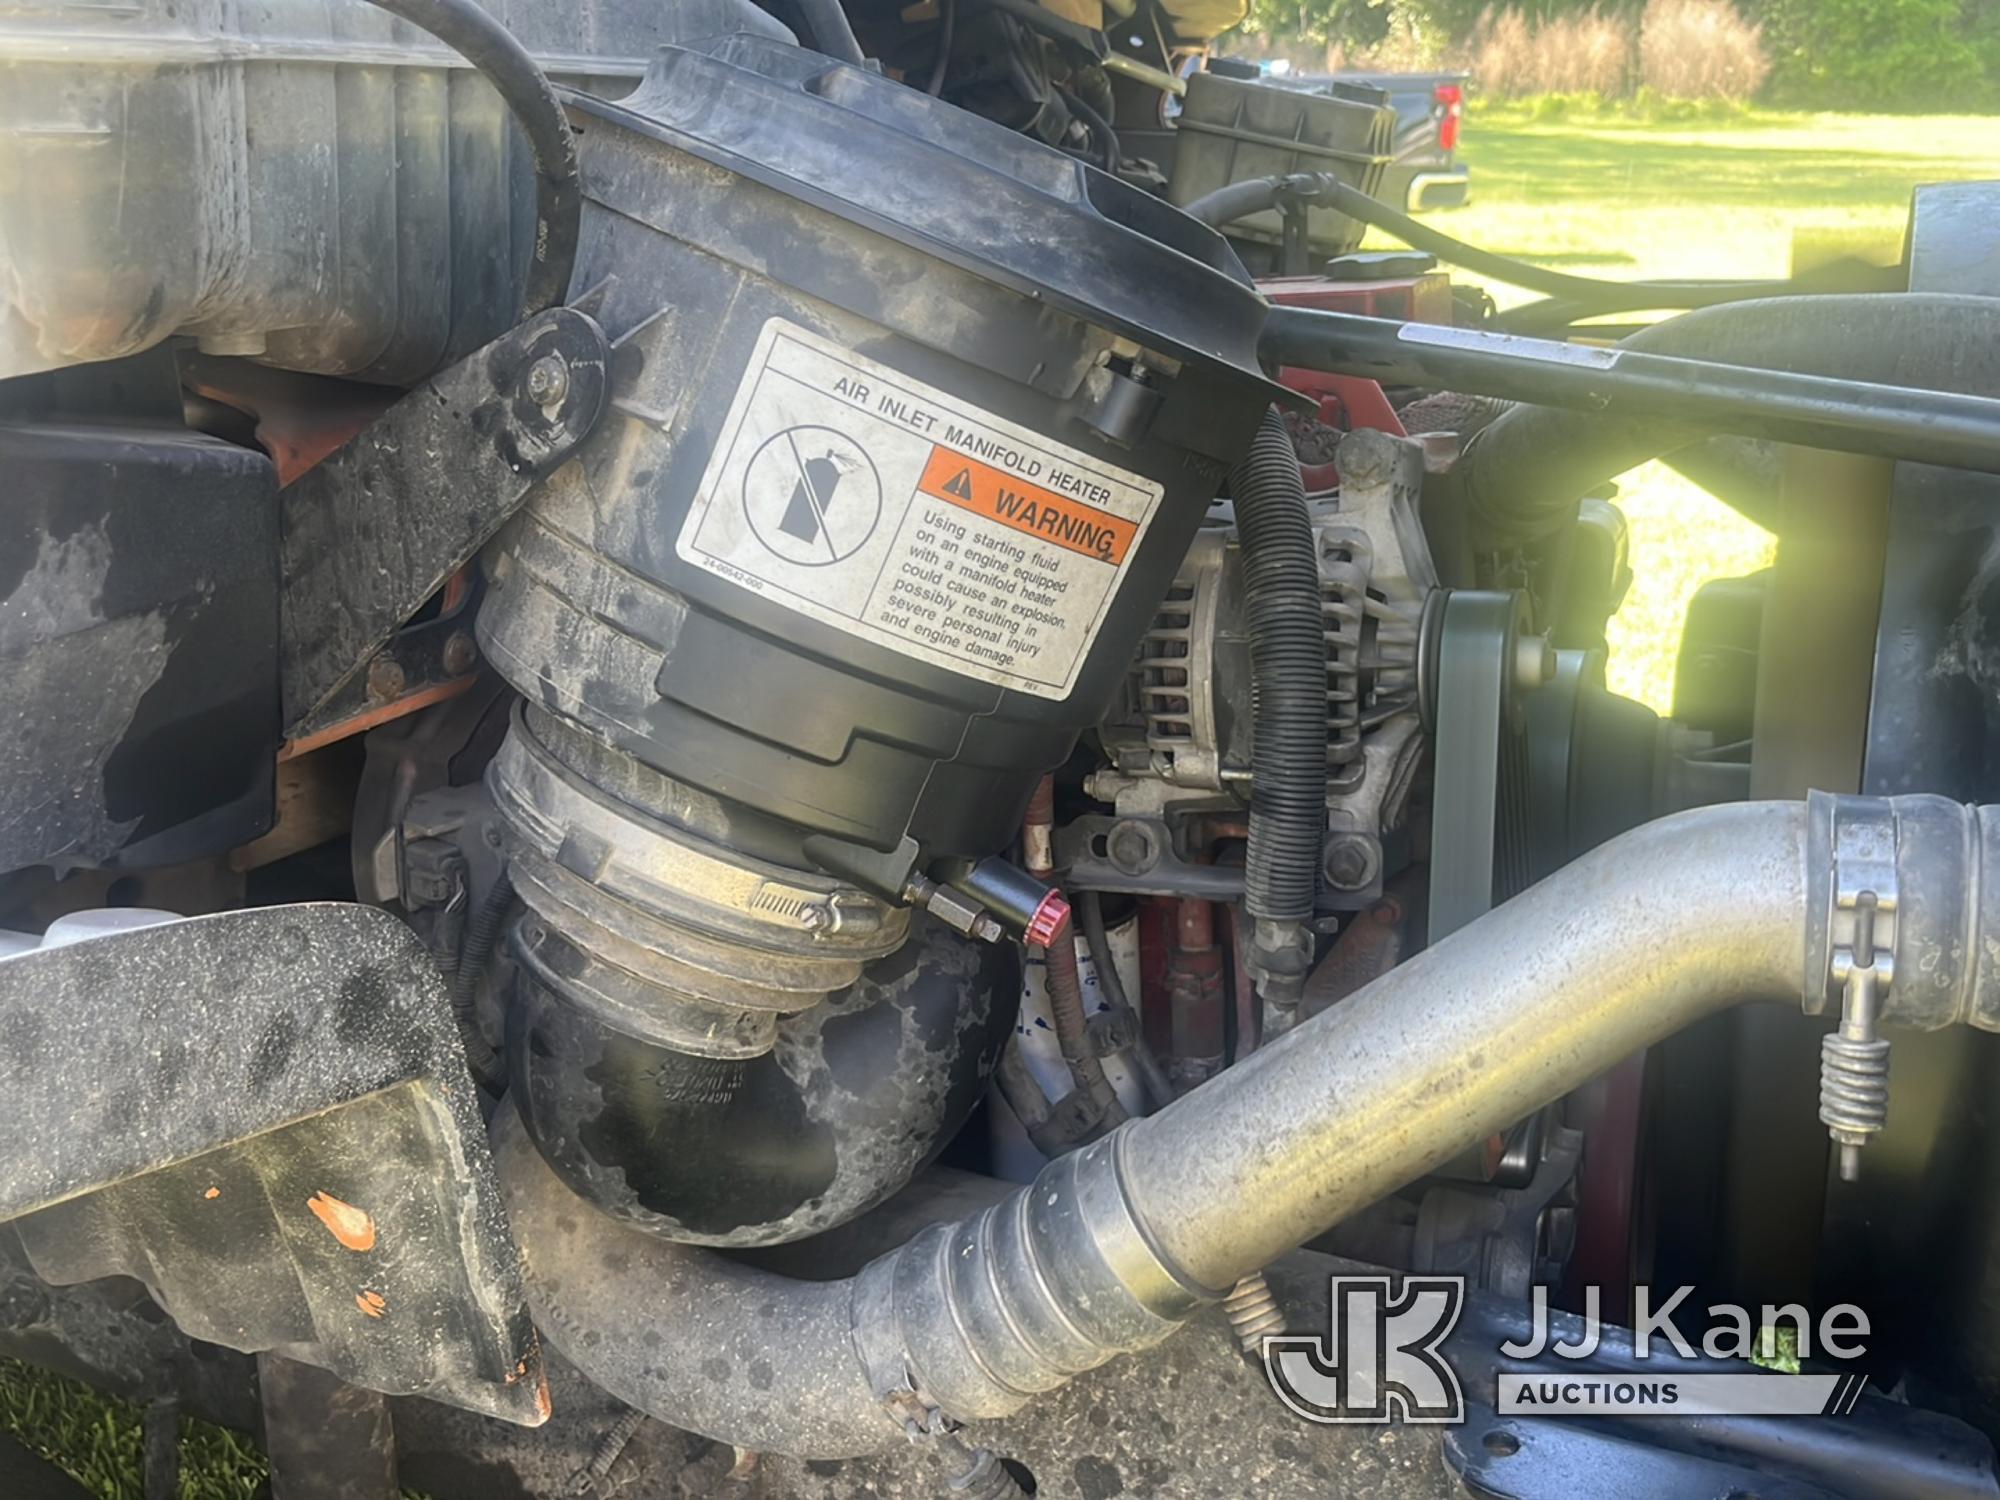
(913, 421)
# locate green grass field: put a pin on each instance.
(1627, 199)
(1607, 196)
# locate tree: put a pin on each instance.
(1848, 54)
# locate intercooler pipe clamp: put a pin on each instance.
(1887, 939)
(1931, 863)
(657, 931)
(976, 1318)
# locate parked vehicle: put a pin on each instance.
(1430, 115)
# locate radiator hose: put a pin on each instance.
(1115, 1245)
(1282, 610)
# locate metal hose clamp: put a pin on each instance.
(1860, 967)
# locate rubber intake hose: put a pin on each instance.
(525, 88)
(1282, 608)
(1522, 474)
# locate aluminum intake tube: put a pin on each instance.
(1113, 1246)
(1676, 919)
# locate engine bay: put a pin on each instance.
(812, 751)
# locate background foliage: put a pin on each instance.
(1823, 54)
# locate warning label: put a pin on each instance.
(882, 507)
(998, 496)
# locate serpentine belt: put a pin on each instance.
(1474, 653)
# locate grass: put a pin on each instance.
(1634, 194)
(97, 1440)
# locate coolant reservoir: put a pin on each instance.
(305, 181)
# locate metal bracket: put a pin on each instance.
(1860, 967)
(1138, 858)
(372, 533)
(1550, 1458)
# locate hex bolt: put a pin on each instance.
(548, 381)
(1350, 862)
(1132, 847)
(460, 653)
(385, 679)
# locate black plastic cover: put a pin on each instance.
(138, 644)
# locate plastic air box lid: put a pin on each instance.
(1233, 131)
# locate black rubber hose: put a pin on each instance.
(1238, 200)
(1588, 295)
(1743, 473)
(1554, 316)
(1064, 980)
(524, 87)
(1099, 127)
(1521, 475)
(832, 32)
(1281, 607)
(475, 952)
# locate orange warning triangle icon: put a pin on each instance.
(960, 484)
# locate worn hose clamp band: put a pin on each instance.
(1862, 896)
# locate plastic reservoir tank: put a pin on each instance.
(309, 182)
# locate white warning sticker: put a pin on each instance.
(880, 506)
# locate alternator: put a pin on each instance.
(1181, 744)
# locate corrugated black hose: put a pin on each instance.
(1288, 687)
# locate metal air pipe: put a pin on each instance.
(1113, 1246)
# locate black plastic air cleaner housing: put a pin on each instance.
(914, 419)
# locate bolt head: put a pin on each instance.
(548, 380)
(460, 653)
(385, 679)
(1350, 862)
(1132, 847)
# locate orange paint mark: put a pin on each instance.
(372, 1303)
(212, 1194)
(542, 1402)
(346, 1223)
